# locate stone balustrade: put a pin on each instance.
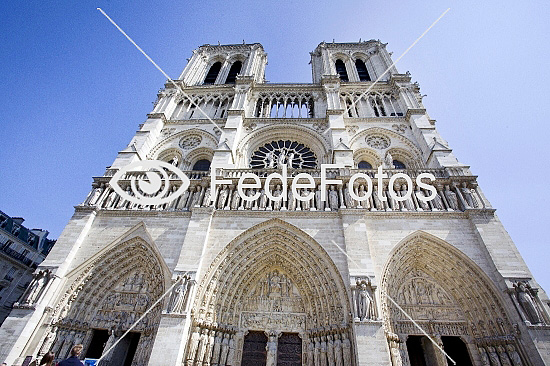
(455, 192)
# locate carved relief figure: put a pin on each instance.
(333, 198)
(364, 302)
(527, 302)
(451, 198)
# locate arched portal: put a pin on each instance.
(448, 296)
(106, 295)
(275, 279)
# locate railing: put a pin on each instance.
(18, 256)
(456, 190)
(373, 104)
(284, 105)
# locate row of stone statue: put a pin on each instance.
(214, 347)
(448, 198)
(499, 355)
(331, 349)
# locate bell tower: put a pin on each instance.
(221, 64)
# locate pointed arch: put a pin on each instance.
(225, 300)
(213, 72)
(451, 296)
(111, 290)
(250, 253)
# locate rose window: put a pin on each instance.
(378, 141)
(276, 153)
(190, 142)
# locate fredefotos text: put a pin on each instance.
(150, 184)
(297, 185)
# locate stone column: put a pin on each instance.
(271, 348)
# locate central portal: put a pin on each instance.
(258, 348)
(273, 296)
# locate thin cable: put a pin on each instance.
(105, 353)
(422, 330)
(184, 94)
(396, 61)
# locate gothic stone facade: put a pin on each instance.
(289, 282)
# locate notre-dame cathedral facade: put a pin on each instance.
(314, 282)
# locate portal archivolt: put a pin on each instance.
(108, 294)
(448, 295)
(276, 279)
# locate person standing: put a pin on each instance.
(74, 360)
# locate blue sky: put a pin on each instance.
(74, 90)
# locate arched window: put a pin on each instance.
(341, 70)
(202, 165)
(213, 73)
(399, 165)
(364, 165)
(362, 70)
(233, 72)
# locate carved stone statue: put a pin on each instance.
(470, 199)
(514, 356)
(451, 198)
(271, 348)
(111, 200)
(195, 199)
(107, 353)
(504, 359)
(484, 358)
(319, 205)
(39, 283)
(350, 203)
(222, 198)
(527, 301)
(206, 200)
(277, 193)
(94, 196)
(174, 161)
(408, 203)
(236, 200)
(388, 161)
(377, 201)
(437, 202)
(249, 193)
(48, 340)
(423, 205)
(493, 356)
(333, 198)
(263, 200)
(305, 204)
(338, 359)
(346, 349)
(270, 160)
(291, 201)
(290, 160)
(177, 298)
(364, 302)
(281, 159)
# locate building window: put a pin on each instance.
(9, 275)
(233, 72)
(341, 70)
(364, 165)
(399, 165)
(213, 73)
(202, 165)
(277, 153)
(362, 70)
